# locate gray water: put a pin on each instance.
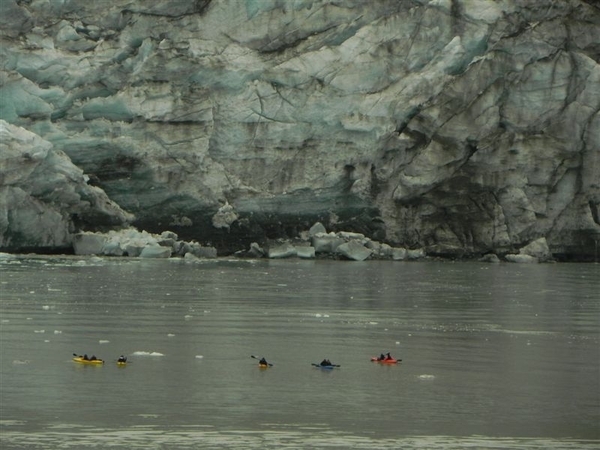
(494, 355)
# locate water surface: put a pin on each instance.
(494, 355)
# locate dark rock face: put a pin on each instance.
(460, 127)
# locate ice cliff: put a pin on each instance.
(457, 126)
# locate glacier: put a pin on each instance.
(461, 127)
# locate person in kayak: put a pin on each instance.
(325, 362)
(122, 359)
(263, 362)
(85, 357)
(93, 358)
(381, 357)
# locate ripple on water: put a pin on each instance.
(149, 437)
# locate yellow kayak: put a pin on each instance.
(88, 361)
(121, 363)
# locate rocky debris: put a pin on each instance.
(417, 253)
(305, 252)
(134, 243)
(399, 254)
(89, 243)
(283, 250)
(326, 243)
(490, 258)
(341, 245)
(538, 249)
(317, 228)
(255, 251)
(518, 258)
(203, 252)
(354, 250)
(535, 251)
(224, 217)
(155, 251)
(317, 243)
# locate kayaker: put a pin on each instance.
(85, 357)
(122, 359)
(325, 362)
(93, 358)
(381, 357)
(263, 362)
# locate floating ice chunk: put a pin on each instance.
(170, 335)
(20, 361)
(187, 317)
(39, 331)
(46, 340)
(199, 356)
(397, 342)
(57, 332)
(426, 377)
(373, 323)
(141, 353)
(46, 307)
(103, 341)
(318, 315)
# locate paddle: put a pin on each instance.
(255, 357)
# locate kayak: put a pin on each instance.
(263, 366)
(319, 366)
(121, 363)
(386, 361)
(88, 361)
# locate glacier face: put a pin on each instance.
(459, 126)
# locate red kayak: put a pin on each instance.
(386, 360)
